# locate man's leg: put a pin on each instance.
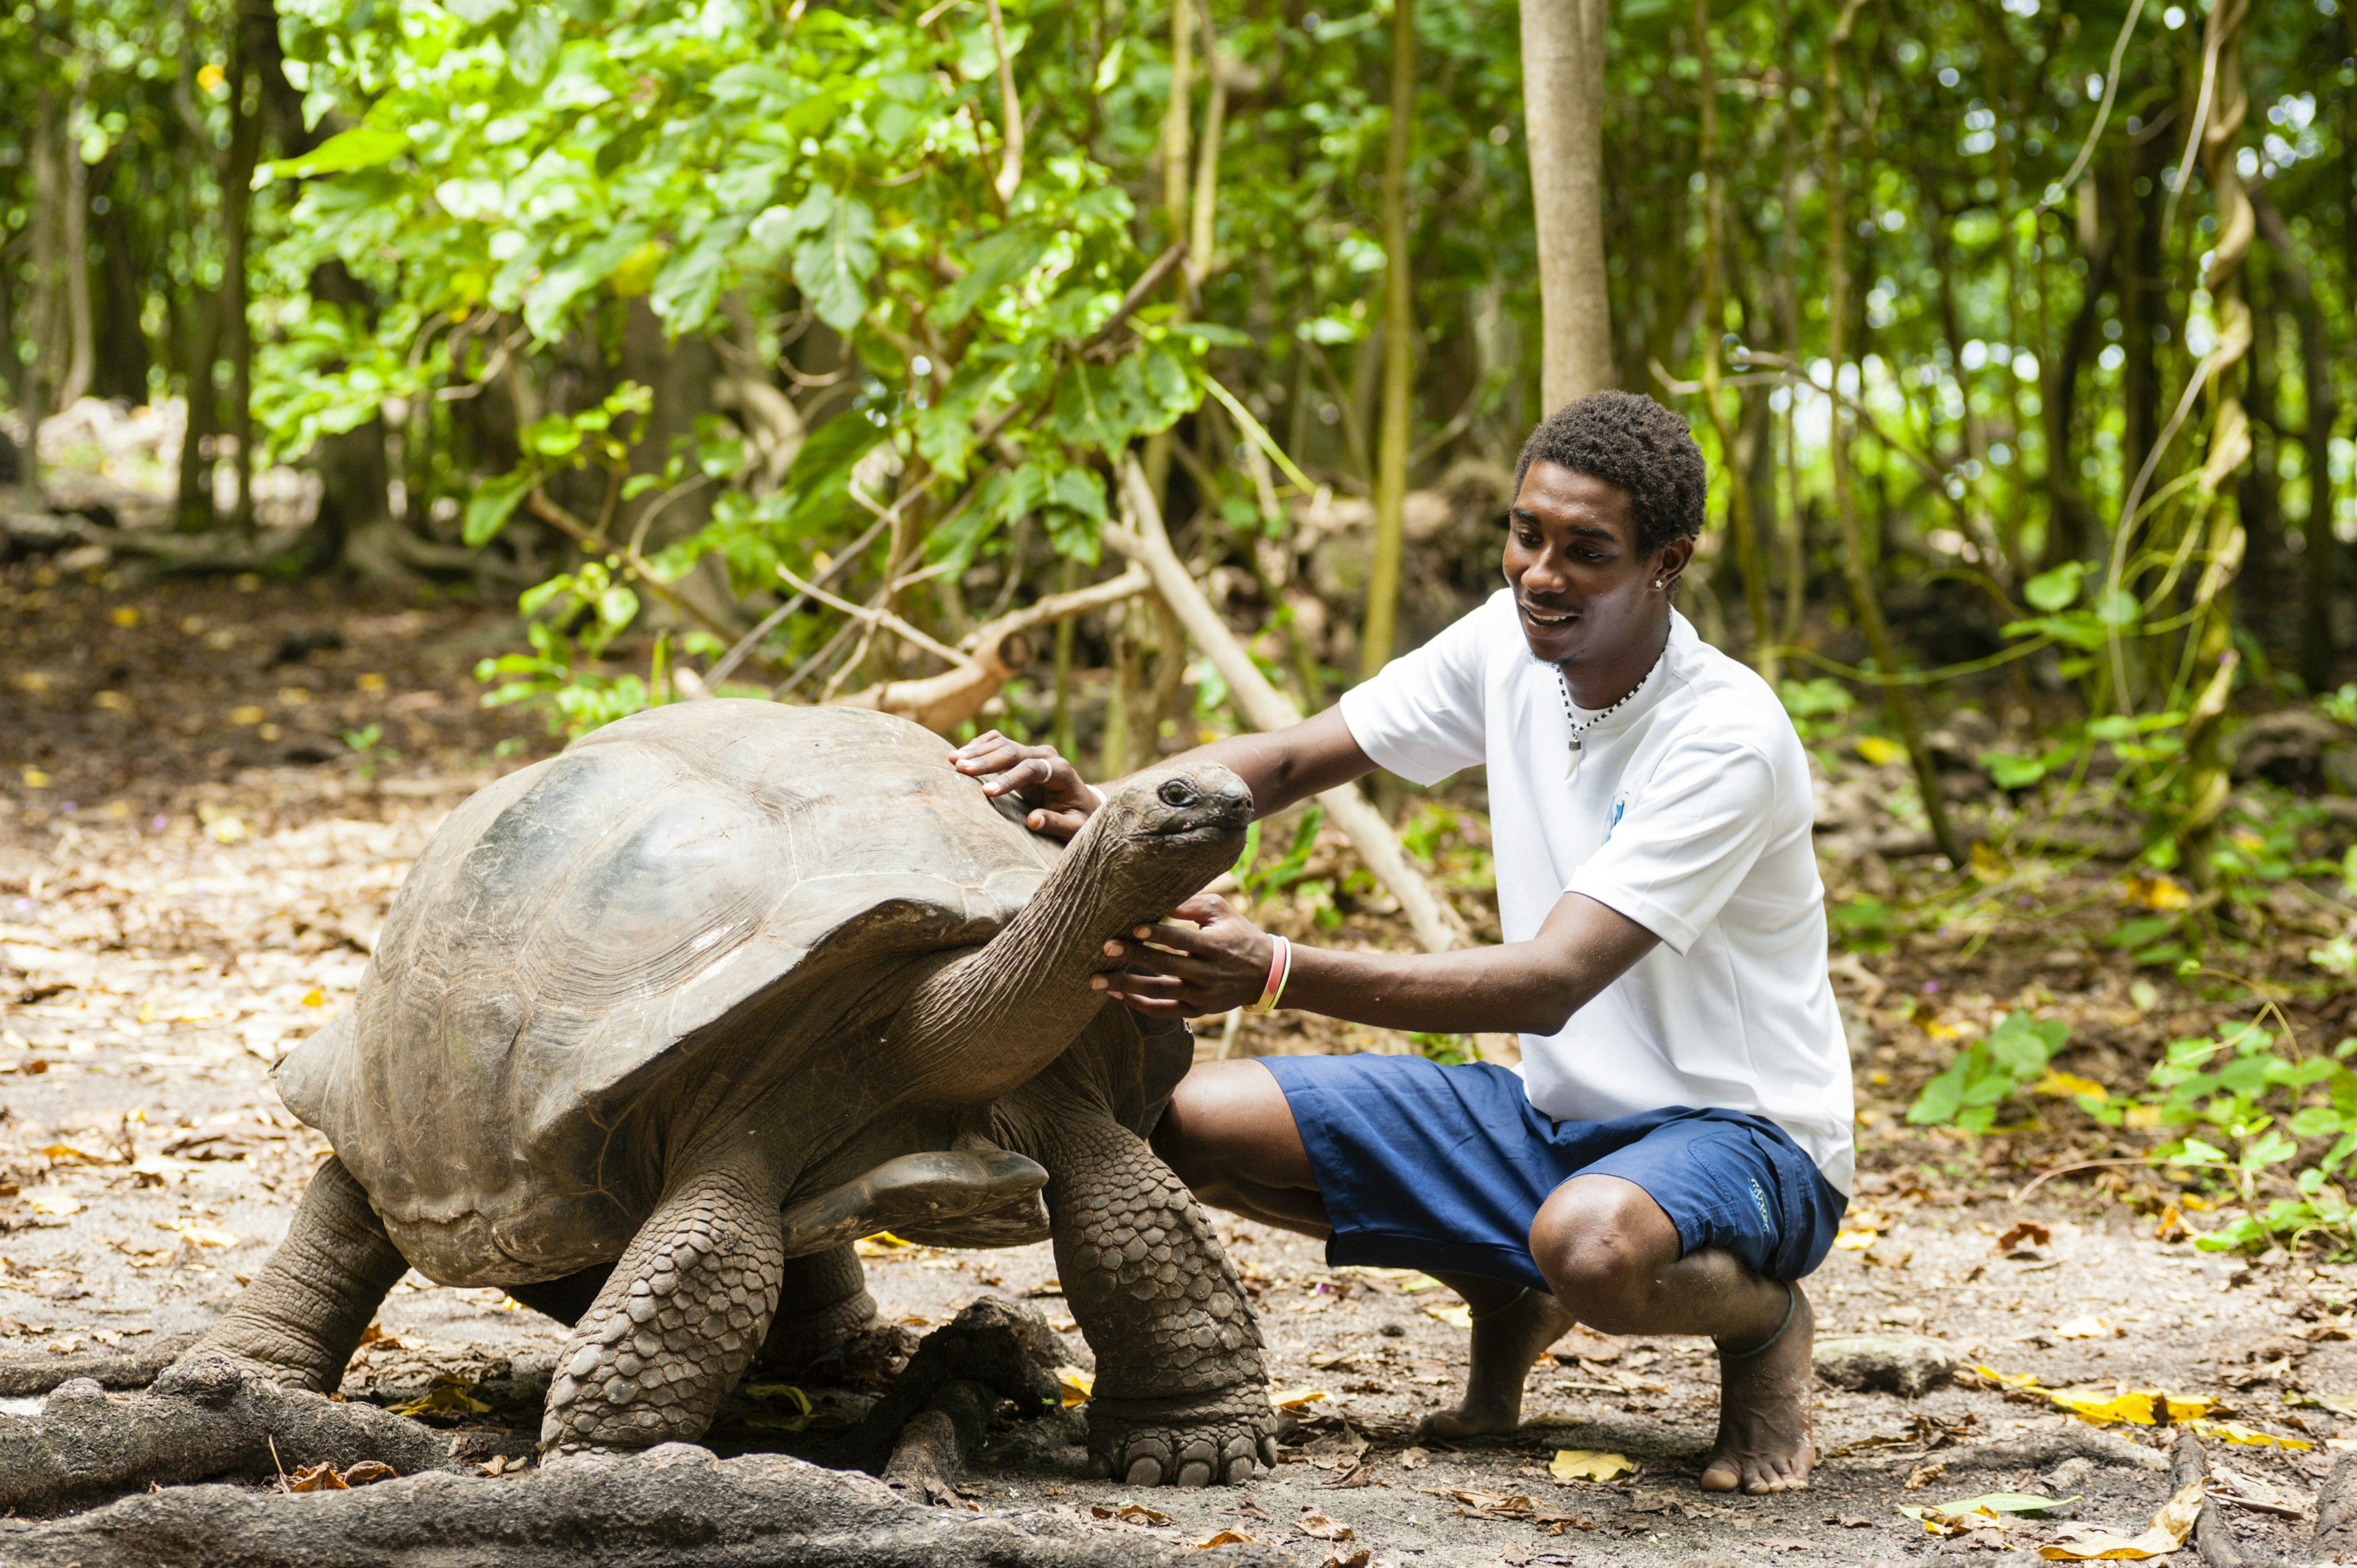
(1231, 1136)
(1613, 1259)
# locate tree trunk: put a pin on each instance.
(2070, 526)
(236, 212)
(1899, 704)
(1751, 560)
(1399, 356)
(2321, 562)
(1562, 106)
(2264, 583)
(43, 375)
(82, 349)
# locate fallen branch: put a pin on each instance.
(204, 1420)
(1144, 541)
(23, 1377)
(675, 1505)
(989, 656)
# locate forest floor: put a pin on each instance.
(193, 865)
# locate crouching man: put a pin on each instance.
(1673, 1155)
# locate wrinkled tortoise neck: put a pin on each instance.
(1003, 1012)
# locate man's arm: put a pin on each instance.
(1280, 766)
(1529, 987)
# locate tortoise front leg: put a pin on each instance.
(676, 1323)
(300, 1321)
(1181, 1397)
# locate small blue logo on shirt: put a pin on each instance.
(1612, 819)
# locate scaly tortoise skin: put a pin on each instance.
(658, 1026)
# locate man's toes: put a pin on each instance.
(1719, 1476)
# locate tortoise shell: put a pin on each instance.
(690, 907)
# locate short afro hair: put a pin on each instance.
(1629, 440)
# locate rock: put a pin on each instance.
(1894, 1363)
(2287, 747)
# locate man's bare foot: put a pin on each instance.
(1506, 1340)
(1763, 1413)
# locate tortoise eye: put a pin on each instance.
(1176, 792)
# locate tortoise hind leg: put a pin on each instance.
(823, 1304)
(301, 1318)
(677, 1321)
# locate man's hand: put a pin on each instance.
(1220, 961)
(1037, 776)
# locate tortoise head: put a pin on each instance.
(1165, 833)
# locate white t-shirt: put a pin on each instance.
(1690, 813)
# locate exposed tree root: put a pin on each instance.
(931, 1449)
(2213, 1537)
(204, 1420)
(1007, 1348)
(21, 1377)
(676, 1506)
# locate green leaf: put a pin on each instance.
(1009, 254)
(493, 502)
(2055, 590)
(363, 146)
(833, 265)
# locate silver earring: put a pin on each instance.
(1658, 583)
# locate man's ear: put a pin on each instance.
(1675, 555)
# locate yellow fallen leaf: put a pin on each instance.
(2142, 1118)
(2137, 1407)
(1221, 1538)
(1856, 1240)
(2069, 1085)
(1074, 1385)
(247, 713)
(228, 829)
(125, 614)
(882, 1244)
(112, 701)
(315, 997)
(2169, 1528)
(1418, 1281)
(36, 780)
(2157, 893)
(1589, 1464)
(1458, 1316)
(369, 682)
(1294, 1399)
(1881, 750)
(74, 1153)
(50, 1200)
(449, 1397)
(2235, 1432)
(2083, 1329)
(208, 1235)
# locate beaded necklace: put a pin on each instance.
(1580, 726)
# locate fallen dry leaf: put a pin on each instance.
(2235, 1432)
(1459, 1317)
(1294, 1399)
(1075, 1386)
(1357, 1559)
(2171, 1526)
(320, 1477)
(1318, 1527)
(1221, 1538)
(2025, 1231)
(1589, 1464)
(51, 1200)
(2088, 1327)
(448, 1396)
(1131, 1513)
(369, 1470)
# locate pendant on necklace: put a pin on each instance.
(1572, 766)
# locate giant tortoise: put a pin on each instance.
(657, 1027)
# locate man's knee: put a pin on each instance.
(1601, 1245)
(1230, 1120)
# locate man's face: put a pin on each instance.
(1583, 589)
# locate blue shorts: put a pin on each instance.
(1443, 1169)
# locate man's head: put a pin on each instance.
(1609, 498)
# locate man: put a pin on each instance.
(1674, 1154)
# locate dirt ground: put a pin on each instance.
(192, 868)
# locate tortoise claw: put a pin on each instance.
(1223, 1439)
